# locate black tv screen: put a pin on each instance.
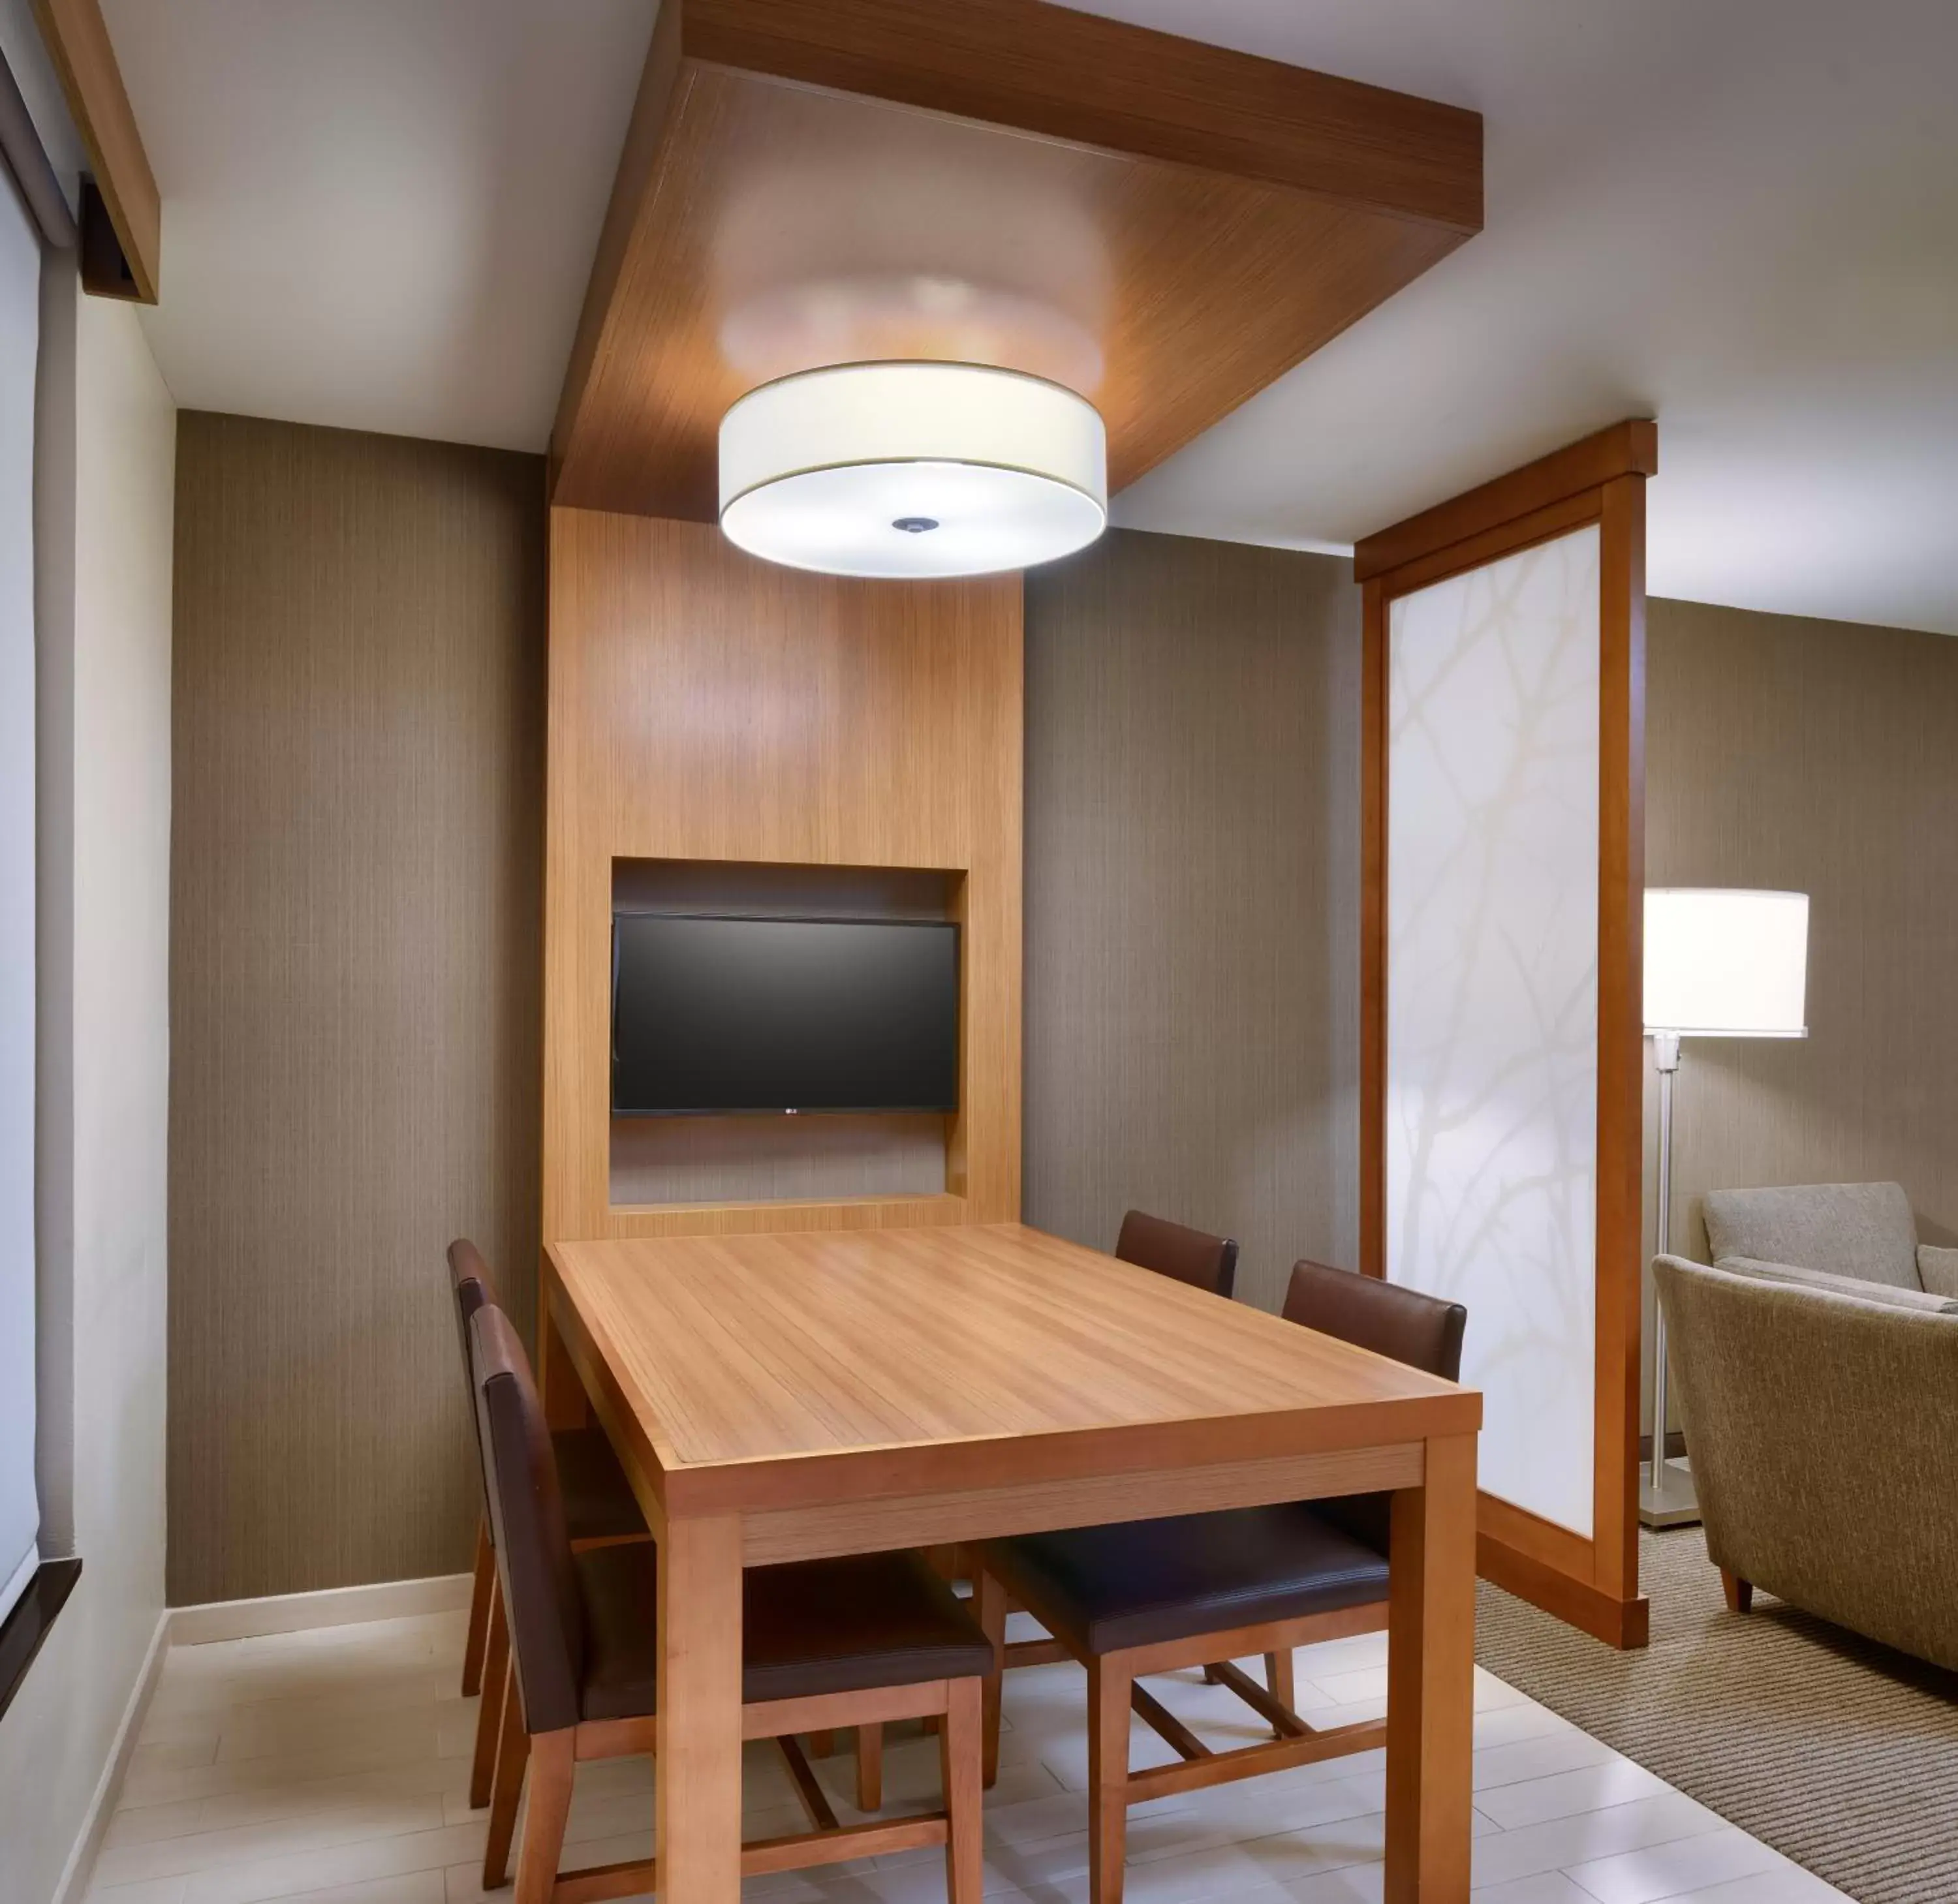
(718, 1015)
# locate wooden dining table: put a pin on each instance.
(789, 1396)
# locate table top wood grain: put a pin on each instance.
(761, 1370)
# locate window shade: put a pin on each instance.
(20, 298)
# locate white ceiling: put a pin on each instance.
(378, 214)
(1739, 216)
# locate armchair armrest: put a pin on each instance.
(1937, 1270)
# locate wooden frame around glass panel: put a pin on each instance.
(1593, 1583)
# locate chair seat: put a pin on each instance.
(598, 1499)
(1139, 1583)
(808, 1628)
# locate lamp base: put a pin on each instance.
(1673, 1503)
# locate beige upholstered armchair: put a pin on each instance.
(1820, 1398)
(1864, 1231)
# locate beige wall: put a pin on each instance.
(105, 426)
(354, 1003)
(1820, 757)
(359, 727)
(1192, 880)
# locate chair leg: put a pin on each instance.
(478, 1611)
(1108, 1688)
(552, 1762)
(1740, 1593)
(1278, 1678)
(989, 1604)
(513, 1750)
(958, 1760)
(949, 1563)
(490, 1714)
(871, 1768)
(822, 1744)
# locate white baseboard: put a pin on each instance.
(81, 1865)
(333, 1606)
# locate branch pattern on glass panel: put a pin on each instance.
(1492, 995)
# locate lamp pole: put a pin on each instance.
(1667, 1499)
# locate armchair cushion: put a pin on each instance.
(1865, 1230)
(1859, 1287)
(1937, 1269)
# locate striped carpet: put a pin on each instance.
(1838, 1752)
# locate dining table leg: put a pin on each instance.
(1431, 1679)
(566, 1404)
(697, 1768)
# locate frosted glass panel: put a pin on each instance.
(1492, 996)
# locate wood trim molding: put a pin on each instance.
(1625, 1623)
(77, 42)
(768, 1213)
(1592, 1582)
(1618, 1323)
(1374, 608)
(1530, 1535)
(1511, 537)
(1626, 448)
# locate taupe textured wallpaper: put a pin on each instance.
(1820, 757)
(356, 859)
(1192, 897)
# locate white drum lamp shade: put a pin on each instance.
(1726, 964)
(912, 470)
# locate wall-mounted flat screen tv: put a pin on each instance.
(718, 1015)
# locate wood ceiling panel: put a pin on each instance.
(765, 222)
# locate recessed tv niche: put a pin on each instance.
(714, 1016)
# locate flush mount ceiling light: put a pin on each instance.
(912, 469)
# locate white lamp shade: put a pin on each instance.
(1722, 964)
(913, 469)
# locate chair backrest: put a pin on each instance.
(1865, 1230)
(1171, 1249)
(533, 1562)
(1387, 1317)
(469, 1283)
(1420, 1330)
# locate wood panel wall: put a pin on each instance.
(1821, 756)
(706, 707)
(356, 873)
(1192, 892)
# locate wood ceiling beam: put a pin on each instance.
(1047, 69)
(77, 41)
(1240, 211)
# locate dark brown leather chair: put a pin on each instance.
(1171, 1249)
(598, 1506)
(1191, 1256)
(1203, 1589)
(825, 1643)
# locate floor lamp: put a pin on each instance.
(1718, 964)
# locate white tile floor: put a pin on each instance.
(330, 1767)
